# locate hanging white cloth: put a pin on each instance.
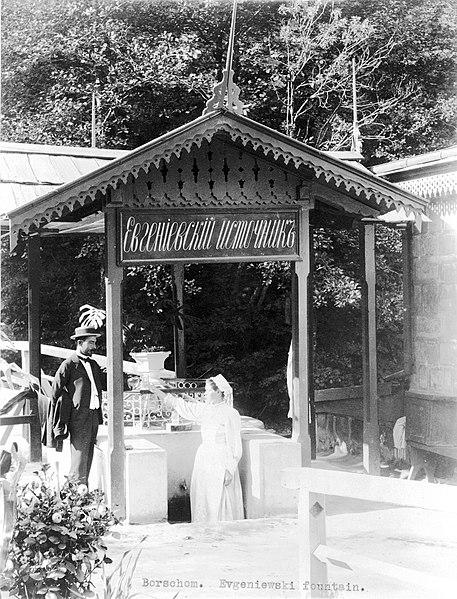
(290, 383)
(399, 436)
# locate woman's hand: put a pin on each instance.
(168, 402)
(165, 398)
(227, 478)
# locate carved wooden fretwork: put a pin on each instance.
(226, 94)
(216, 174)
(432, 186)
(182, 145)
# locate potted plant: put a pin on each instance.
(141, 337)
(150, 358)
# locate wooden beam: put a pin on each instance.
(314, 484)
(405, 576)
(311, 521)
(371, 447)
(179, 333)
(407, 236)
(310, 336)
(354, 392)
(115, 383)
(19, 419)
(406, 493)
(300, 365)
(34, 332)
(63, 353)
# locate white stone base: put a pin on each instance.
(264, 456)
(146, 482)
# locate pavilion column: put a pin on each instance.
(310, 335)
(179, 333)
(371, 449)
(300, 339)
(34, 332)
(407, 254)
(115, 384)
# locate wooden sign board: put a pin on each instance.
(147, 236)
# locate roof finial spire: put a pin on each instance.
(227, 88)
(356, 145)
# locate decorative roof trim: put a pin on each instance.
(20, 148)
(432, 187)
(226, 93)
(82, 191)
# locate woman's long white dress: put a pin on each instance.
(210, 499)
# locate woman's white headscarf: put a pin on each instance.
(223, 385)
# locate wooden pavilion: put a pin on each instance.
(222, 188)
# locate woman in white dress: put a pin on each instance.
(215, 489)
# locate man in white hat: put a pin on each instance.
(75, 407)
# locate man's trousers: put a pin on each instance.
(83, 429)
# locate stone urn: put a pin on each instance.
(150, 361)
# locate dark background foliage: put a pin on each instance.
(152, 66)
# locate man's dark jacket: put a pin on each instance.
(71, 390)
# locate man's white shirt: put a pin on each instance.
(94, 400)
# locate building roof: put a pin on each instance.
(361, 187)
(29, 171)
(421, 162)
(432, 176)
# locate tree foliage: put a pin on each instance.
(152, 66)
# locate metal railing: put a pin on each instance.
(143, 408)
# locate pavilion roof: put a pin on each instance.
(30, 171)
(83, 192)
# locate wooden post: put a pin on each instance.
(34, 332)
(407, 297)
(179, 333)
(300, 365)
(371, 448)
(115, 383)
(311, 522)
(312, 408)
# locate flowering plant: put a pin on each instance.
(57, 540)
(147, 348)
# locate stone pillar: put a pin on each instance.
(432, 397)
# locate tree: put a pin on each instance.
(312, 55)
(423, 59)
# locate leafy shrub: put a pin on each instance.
(57, 540)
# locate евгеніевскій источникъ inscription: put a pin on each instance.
(150, 236)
